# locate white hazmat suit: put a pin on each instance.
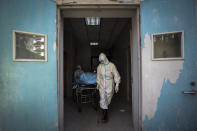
(107, 77)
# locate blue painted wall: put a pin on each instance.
(28, 90)
(175, 111)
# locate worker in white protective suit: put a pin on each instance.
(108, 80)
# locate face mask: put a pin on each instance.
(102, 62)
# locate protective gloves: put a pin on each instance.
(116, 88)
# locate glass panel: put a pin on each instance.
(167, 45)
(30, 46)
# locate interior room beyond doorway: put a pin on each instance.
(82, 45)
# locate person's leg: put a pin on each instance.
(103, 105)
(106, 115)
(103, 99)
(108, 98)
(104, 118)
(103, 115)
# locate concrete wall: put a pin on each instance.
(83, 56)
(75, 53)
(28, 90)
(69, 61)
(165, 107)
(120, 54)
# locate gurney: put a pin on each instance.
(84, 90)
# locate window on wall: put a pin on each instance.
(168, 46)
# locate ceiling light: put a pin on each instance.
(92, 21)
(94, 43)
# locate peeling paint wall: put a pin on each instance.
(28, 90)
(165, 107)
(155, 73)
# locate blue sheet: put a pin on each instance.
(86, 78)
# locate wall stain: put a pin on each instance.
(154, 74)
(22, 84)
(54, 46)
(165, 107)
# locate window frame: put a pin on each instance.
(14, 51)
(171, 58)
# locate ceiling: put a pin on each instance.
(105, 34)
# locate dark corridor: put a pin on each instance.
(112, 36)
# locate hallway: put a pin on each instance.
(119, 118)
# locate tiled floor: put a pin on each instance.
(88, 120)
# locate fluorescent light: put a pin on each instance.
(94, 43)
(92, 21)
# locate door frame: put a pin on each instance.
(136, 82)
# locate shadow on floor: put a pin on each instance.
(120, 118)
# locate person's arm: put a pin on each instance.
(117, 78)
(98, 77)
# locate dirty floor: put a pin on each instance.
(88, 120)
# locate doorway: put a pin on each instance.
(116, 35)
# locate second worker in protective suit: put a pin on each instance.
(108, 80)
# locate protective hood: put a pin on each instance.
(103, 58)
